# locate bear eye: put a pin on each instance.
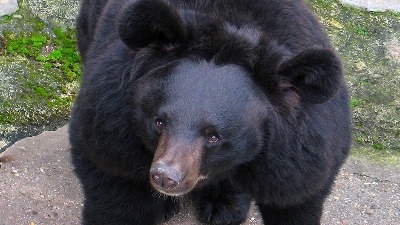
(160, 123)
(213, 139)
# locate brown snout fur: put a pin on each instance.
(184, 156)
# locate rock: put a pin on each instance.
(37, 184)
(393, 49)
(60, 13)
(24, 111)
(13, 70)
(8, 7)
(375, 5)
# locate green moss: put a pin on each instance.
(33, 44)
(46, 90)
(25, 46)
(5, 19)
(354, 103)
(41, 92)
(360, 29)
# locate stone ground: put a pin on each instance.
(37, 186)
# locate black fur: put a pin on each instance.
(165, 24)
(261, 76)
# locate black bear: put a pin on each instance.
(228, 100)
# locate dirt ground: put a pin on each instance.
(37, 186)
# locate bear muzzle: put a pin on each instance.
(175, 169)
(165, 177)
(170, 181)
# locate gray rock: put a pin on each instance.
(8, 7)
(14, 72)
(58, 12)
(375, 5)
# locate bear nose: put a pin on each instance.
(165, 176)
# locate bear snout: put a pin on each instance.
(165, 177)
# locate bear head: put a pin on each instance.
(208, 93)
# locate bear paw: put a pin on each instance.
(232, 210)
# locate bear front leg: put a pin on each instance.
(307, 213)
(125, 203)
(222, 203)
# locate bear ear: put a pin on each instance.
(316, 74)
(150, 22)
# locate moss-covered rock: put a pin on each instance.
(39, 68)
